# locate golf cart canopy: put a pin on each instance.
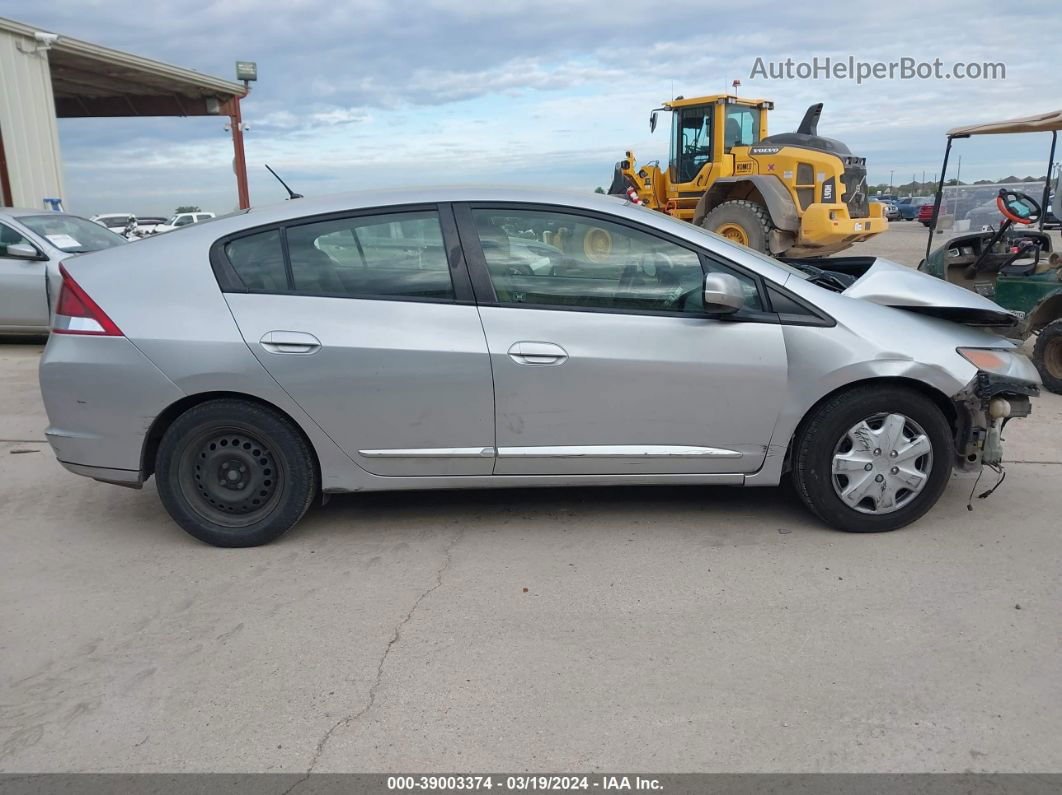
(1042, 122)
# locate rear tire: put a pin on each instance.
(234, 473)
(1047, 355)
(844, 468)
(743, 222)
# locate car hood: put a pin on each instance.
(898, 286)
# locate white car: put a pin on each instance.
(116, 222)
(184, 219)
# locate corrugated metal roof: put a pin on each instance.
(91, 80)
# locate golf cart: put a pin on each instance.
(1013, 264)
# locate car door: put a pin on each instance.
(368, 321)
(604, 360)
(23, 291)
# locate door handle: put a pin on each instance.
(537, 353)
(290, 342)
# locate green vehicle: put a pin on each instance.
(1015, 263)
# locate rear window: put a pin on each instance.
(72, 234)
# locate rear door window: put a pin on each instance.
(397, 255)
(258, 260)
(390, 256)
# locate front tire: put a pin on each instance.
(873, 458)
(743, 222)
(234, 473)
(1047, 355)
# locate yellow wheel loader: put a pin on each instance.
(792, 194)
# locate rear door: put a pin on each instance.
(23, 293)
(368, 321)
(604, 359)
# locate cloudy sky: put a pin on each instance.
(357, 94)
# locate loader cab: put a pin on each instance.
(706, 129)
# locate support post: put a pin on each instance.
(239, 161)
(1047, 182)
(940, 193)
(7, 199)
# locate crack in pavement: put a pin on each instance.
(395, 637)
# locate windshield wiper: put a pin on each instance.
(819, 276)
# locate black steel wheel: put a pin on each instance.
(234, 473)
(230, 477)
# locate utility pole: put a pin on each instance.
(890, 181)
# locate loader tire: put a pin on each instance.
(741, 221)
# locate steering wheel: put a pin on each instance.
(1019, 208)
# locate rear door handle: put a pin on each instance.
(537, 353)
(290, 342)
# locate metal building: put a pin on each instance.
(45, 77)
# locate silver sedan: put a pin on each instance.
(474, 338)
(32, 243)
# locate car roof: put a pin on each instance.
(357, 200)
(401, 196)
(308, 208)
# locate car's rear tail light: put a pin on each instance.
(76, 313)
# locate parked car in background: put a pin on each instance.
(116, 222)
(355, 343)
(891, 213)
(925, 213)
(1051, 221)
(909, 206)
(185, 219)
(32, 242)
(150, 224)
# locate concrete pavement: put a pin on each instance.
(653, 629)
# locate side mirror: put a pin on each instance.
(723, 294)
(22, 251)
(652, 122)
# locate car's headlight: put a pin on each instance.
(999, 361)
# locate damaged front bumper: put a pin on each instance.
(984, 407)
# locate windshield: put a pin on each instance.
(72, 234)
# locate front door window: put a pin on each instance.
(536, 257)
